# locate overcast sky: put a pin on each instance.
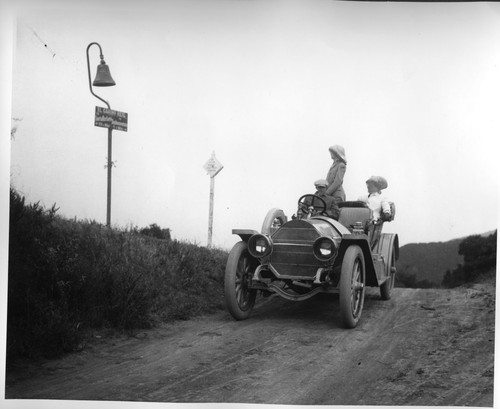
(411, 90)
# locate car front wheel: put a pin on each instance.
(352, 286)
(240, 267)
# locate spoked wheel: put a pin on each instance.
(386, 288)
(240, 267)
(352, 286)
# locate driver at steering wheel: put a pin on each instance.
(332, 210)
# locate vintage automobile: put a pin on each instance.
(311, 254)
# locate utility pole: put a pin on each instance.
(213, 167)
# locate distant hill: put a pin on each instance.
(429, 261)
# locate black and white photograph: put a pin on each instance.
(249, 203)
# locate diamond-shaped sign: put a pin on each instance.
(213, 166)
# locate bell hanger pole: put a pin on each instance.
(103, 63)
(103, 79)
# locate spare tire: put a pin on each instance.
(275, 218)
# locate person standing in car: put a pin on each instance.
(335, 176)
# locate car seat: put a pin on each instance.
(354, 212)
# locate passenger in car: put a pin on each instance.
(378, 203)
(335, 175)
(332, 210)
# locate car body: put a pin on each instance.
(310, 254)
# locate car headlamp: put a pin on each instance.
(259, 245)
(324, 249)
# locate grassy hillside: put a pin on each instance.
(67, 277)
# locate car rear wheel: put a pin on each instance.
(240, 267)
(386, 288)
(352, 286)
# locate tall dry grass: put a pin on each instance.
(67, 277)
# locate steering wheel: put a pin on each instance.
(304, 204)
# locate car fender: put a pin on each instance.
(244, 234)
(386, 243)
(362, 241)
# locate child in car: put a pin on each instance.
(331, 209)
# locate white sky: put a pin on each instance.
(412, 91)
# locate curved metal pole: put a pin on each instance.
(110, 163)
(88, 69)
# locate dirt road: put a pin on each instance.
(422, 347)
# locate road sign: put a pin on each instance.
(213, 166)
(108, 118)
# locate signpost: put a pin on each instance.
(108, 118)
(213, 167)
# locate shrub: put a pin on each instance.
(156, 231)
(480, 255)
(68, 276)
(409, 280)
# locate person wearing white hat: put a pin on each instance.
(335, 175)
(378, 203)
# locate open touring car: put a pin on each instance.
(312, 254)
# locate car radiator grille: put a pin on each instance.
(292, 255)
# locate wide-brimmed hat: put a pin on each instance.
(338, 151)
(321, 182)
(378, 181)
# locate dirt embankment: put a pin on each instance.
(422, 347)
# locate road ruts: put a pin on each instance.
(422, 347)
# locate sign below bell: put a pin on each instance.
(103, 76)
